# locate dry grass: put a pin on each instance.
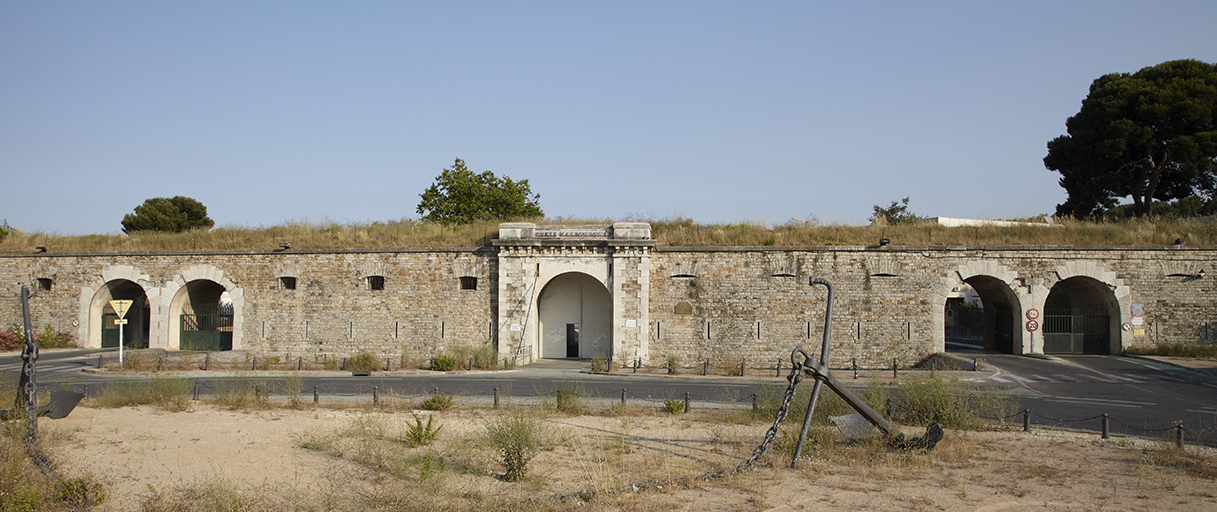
(676, 232)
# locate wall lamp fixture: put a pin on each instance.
(1179, 241)
(285, 246)
(884, 241)
(41, 248)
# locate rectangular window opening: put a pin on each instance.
(469, 283)
(376, 282)
(287, 283)
(44, 284)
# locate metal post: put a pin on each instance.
(1179, 436)
(671, 368)
(741, 367)
(1106, 431)
(344, 364)
(705, 367)
(160, 364)
(375, 395)
(855, 368)
(636, 363)
(86, 391)
(206, 361)
(686, 401)
(255, 365)
(432, 363)
(257, 393)
(755, 405)
(300, 364)
(99, 362)
(895, 369)
(610, 364)
(622, 396)
(974, 366)
(779, 370)
(316, 396)
(496, 397)
(1026, 420)
(471, 363)
(196, 391)
(388, 365)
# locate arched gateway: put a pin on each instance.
(573, 291)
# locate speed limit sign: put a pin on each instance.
(1032, 325)
(1032, 314)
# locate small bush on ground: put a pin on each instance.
(14, 339)
(517, 438)
(437, 402)
(570, 397)
(419, 434)
(938, 362)
(364, 362)
(673, 405)
(444, 363)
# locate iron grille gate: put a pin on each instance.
(1070, 331)
(212, 331)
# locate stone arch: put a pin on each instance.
(119, 282)
(1003, 296)
(194, 287)
(574, 317)
(1097, 285)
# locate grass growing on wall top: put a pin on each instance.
(671, 232)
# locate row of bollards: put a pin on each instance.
(1104, 427)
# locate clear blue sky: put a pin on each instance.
(718, 111)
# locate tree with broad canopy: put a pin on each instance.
(173, 214)
(1149, 135)
(460, 196)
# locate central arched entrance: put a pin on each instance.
(1080, 315)
(576, 314)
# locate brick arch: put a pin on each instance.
(1120, 291)
(92, 302)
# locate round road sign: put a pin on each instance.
(1032, 325)
(1032, 314)
(1126, 327)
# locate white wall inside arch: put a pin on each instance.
(578, 299)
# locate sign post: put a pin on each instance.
(120, 308)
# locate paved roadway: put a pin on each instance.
(1142, 397)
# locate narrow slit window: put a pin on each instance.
(287, 283)
(376, 282)
(469, 283)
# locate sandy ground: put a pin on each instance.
(144, 451)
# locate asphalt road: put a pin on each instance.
(1141, 397)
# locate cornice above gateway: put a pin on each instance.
(526, 232)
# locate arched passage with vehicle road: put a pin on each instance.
(991, 323)
(103, 331)
(1080, 316)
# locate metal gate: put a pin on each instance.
(1076, 331)
(211, 331)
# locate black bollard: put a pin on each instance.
(779, 374)
(741, 367)
(622, 396)
(496, 397)
(98, 362)
(636, 363)
(344, 364)
(1106, 431)
(705, 367)
(686, 401)
(206, 361)
(855, 368)
(316, 396)
(160, 364)
(86, 392)
(388, 365)
(471, 363)
(1026, 420)
(755, 405)
(300, 364)
(895, 371)
(375, 395)
(196, 391)
(255, 365)
(1179, 436)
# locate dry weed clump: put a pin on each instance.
(672, 232)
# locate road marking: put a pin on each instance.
(999, 379)
(1099, 401)
(1066, 377)
(1202, 411)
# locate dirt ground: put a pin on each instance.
(144, 453)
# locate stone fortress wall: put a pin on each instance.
(721, 303)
